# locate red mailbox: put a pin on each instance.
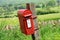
(26, 21)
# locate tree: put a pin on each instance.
(51, 3)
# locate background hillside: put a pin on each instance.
(8, 8)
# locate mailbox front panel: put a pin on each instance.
(29, 26)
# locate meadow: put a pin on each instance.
(10, 29)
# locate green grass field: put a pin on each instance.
(49, 17)
(47, 32)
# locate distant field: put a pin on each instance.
(42, 17)
(49, 17)
(15, 21)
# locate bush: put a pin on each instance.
(41, 11)
(8, 16)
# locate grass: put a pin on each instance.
(48, 10)
(50, 32)
(47, 32)
(14, 34)
(46, 17)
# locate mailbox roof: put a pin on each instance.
(25, 12)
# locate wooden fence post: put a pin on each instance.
(36, 34)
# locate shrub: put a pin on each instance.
(8, 16)
(41, 11)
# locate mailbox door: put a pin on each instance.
(29, 26)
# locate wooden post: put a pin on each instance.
(36, 35)
(32, 8)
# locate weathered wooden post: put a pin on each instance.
(36, 35)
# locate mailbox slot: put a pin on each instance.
(28, 22)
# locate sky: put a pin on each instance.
(22, 1)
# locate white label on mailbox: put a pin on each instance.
(28, 23)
